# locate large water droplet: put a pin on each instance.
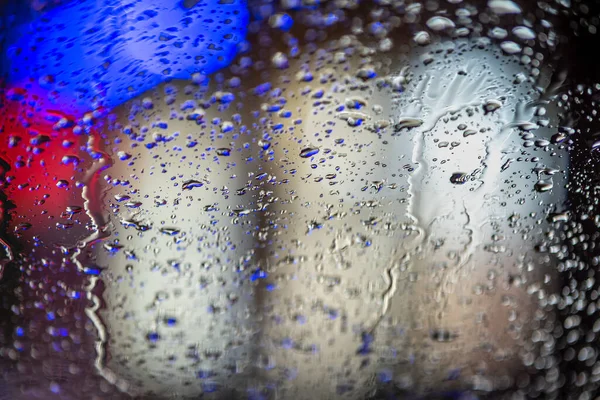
(438, 23)
(503, 7)
(191, 184)
(308, 152)
(523, 33)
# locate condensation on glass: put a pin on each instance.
(296, 200)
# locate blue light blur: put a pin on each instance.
(90, 53)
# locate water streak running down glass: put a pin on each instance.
(298, 200)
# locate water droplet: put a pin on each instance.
(308, 152)
(130, 223)
(122, 197)
(492, 105)
(147, 103)
(224, 97)
(459, 178)
(280, 60)
(153, 337)
(543, 186)
(170, 231)
(123, 155)
(74, 209)
(23, 226)
(191, 184)
(408, 123)
(523, 33)
(422, 38)
(281, 21)
(197, 115)
(438, 23)
(510, 47)
(365, 73)
(558, 138)
(133, 204)
(498, 33)
(503, 7)
(226, 126)
(442, 335)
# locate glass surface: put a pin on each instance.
(230, 199)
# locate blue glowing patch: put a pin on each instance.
(91, 53)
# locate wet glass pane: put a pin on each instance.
(299, 199)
